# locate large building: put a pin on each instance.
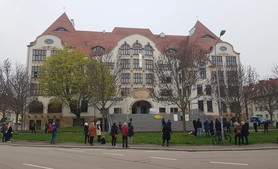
(136, 82)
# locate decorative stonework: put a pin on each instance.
(141, 93)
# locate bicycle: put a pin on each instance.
(217, 138)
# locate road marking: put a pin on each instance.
(162, 158)
(215, 162)
(114, 154)
(37, 166)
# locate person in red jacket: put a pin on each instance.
(125, 135)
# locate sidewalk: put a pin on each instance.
(191, 148)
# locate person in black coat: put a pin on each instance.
(114, 134)
(86, 132)
(166, 134)
(195, 127)
(244, 132)
(255, 125)
(9, 132)
(211, 127)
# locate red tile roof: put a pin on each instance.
(86, 40)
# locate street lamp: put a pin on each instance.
(218, 86)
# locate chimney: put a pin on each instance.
(72, 22)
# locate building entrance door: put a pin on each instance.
(141, 107)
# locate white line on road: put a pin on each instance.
(162, 158)
(215, 162)
(37, 166)
(113, 154)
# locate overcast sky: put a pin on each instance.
(251, 25)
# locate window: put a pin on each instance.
(207, 37)
(125, 49)
(208, 90)
(110, 65)
(137, 48)
(174, 110)
(84, 106)
(125, 63)
(231, 61)
(166, 92)
(38, 55)
(171, 51)
(61, 29)
(125, 91)
(137, 78)
(162, 110)
(201, 105)
(125, 78)
(209, 106)
(35, 71)
(149, 78)
(136, 63)
(203, 73)
(166, 80)
(117, 110)
(217, 60)
(148, 50)
(149, 64)
(35, 90)
(98, 50)
(199, 89)
(163, 66)
(232, 77)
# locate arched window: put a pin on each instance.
(61, 29)
(171, 51)
(148, 50)
(98, 51)
(137, 48)
(125, 49)
(35, 107)
(54, 106)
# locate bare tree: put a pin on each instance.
(275, 70)
(177, 72)
(265, 95)
(20, 91)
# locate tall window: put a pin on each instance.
(199, 89)
(35, 71)
(209, 106)
(137, 78)
(125, 49)
(201, 105)
(149, 64)
(231, 61)
(203, 73)
(125, 91)
(174, 110)
(217, 59)
(125, 63)
(136, 63)
(38, 55)
(149, 78)
(162, 110)
(125, 78)
(137, 48)
(35, 90)
(208, 89)
(148, 50)
(117, 110)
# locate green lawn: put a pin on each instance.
(75, 134)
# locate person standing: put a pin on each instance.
(244, 132)
(166, 134)
(211, 128)
(8, 132)
(98, 131)
(33, 127)
(199, 127)
(125, 135)
(266, 127)
(54, 133)
(207, 127)
(86, 132)
(3, 130)
(45, 128)
(255, 125)
(195, 127)
(218, 127)
(120, 126)
(114, 134)
(130, 132)
(237, 132)
(92, 133)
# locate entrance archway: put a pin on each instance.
(141, 107)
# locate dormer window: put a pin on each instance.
(61, 29)
(98, 50)
(171, 51)
(207, 37)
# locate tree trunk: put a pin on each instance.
(183, 120)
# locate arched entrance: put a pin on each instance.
(141, 107)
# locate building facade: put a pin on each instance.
(137, 50)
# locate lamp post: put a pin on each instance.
(218, 86)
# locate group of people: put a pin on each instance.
(91, 131)
(209, 127)
(7, 132)
(127, 131)
(241, 133)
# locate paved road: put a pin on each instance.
(96, 157)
